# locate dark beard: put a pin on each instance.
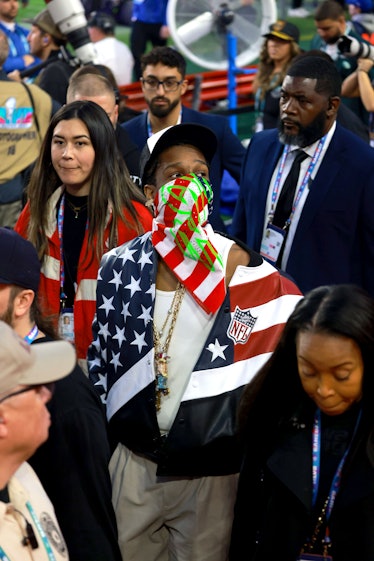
(332, 40)
(7, 316)
(162, 111)
(306, 135)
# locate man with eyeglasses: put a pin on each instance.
(73, 463)
(28, 524)
(163, 83)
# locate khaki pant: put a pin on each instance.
(170, 519)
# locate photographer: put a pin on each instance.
(48, 44)
(331, 25)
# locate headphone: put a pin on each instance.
(45, 40)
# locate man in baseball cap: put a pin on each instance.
(362, 17)
(364, 6)
(64, 460)
(110, 51)
(45, 23)
(168, 369)
(48, 44)
(19, 261)
(31, 366)
(26, 384)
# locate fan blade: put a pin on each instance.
(196, 28)
(244, 30)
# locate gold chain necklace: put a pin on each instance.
(161, 349)
(75, 208)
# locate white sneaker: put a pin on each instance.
(298, 12)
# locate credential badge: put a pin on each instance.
(241, 325)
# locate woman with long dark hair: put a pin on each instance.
(81, 203)
(306, 486)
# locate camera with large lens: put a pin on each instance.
(70, 18)
(352, 47)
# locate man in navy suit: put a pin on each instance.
(163, 82)
(327, 236)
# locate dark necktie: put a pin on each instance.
(285, 201)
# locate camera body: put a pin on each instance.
(70, 18)
(352, 47)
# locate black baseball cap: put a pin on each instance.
(200, 136)
(19, 262)
(103, 21)
(284, 30)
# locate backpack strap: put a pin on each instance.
(33, 108)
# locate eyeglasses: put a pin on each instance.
(38, 388)
(169, 85)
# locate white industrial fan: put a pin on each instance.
(201, 29)
(219, 35)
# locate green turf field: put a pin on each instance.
(245, 120)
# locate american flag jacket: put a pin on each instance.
(244, 332)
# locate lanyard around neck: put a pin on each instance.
(304, 184)
(316, 463)
(32, 334)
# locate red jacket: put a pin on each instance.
(85, 296)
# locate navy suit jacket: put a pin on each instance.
(229, 155)
(334, 239)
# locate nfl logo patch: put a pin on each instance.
(241, 326)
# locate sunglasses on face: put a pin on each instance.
(37, 387)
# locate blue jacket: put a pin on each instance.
(229, 155)
(149, 11)
(18, 46)
(334, 240)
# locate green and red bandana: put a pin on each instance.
(183, 238)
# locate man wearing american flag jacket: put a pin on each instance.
(185, 317)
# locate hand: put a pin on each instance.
(365, 64)
(15, 75)
(164, 32)
(28, 60)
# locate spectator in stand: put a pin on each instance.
(110, 51)
(148, 25)
(81, 203)
(19, 51)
